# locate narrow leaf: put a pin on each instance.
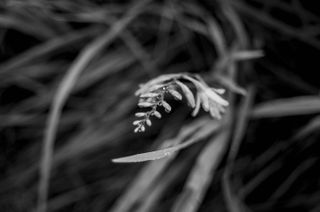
(159, 154)
(205, 102)
(247, 55)
(215, 97)
(201, 175)
(312, 126)
(198, 104)
(232, 85)
(188, 93)
(288, 107)
(154, 155)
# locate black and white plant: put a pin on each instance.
(179, 85)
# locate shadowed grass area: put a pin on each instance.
(68, 75)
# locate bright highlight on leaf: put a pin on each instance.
(187, 92)
(207, 128)
(154, 155)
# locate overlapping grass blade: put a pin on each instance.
(287, 107)
(201, 174)
(152, 171)
(62, 94)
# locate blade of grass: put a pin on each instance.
(162, 153)
(267, 20)
(155, 192)
(110, 65)
(233, 16)
(246, 55)
(89, 77)
(140, 53)
(62, 94)
(233, 202)
(285, 186)
(165, 26)
(270, 154)
(231, 85)
(241, 124)
(152, 171)
(46, 48)
(289, 77)
(201, 174)
(312, 126)
(259, 178)
(301, 105)
(23, 24)
(217, 36)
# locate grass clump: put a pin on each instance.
(68, 72)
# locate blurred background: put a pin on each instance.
(68, 73)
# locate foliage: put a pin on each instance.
(68, 72)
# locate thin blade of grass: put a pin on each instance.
(217, 36)
(231, 85)
(247, 55)
(110, 64)
(269, 154)
(259, 178)
(294, 106)
(165, 25)
(63, 92)
(140, 53)
(268, 20)
(156, 191)
(148, 156)
(289, 77)
(234, 204)
(233, 16)
(312, 126)
(162, 153)
(241, 124)
(286, 185)
(152, 171)
(24, 25)
(83, 142)
(201, 175)
(46, 48)
(188, 93)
